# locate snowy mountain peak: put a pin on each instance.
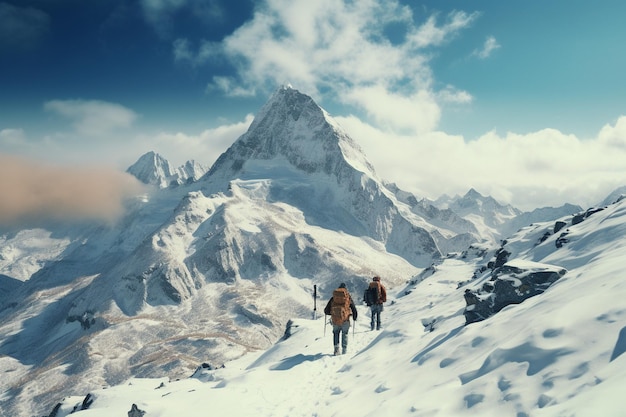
(151, 168)
(473, 194)
(292, 126)
(475, 199)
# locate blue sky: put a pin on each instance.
(522, 100)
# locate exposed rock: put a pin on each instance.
(86, 319)
(87, 402)
(582, 216)
(135, 411)
(562, 239)
(509, 284)
(502, 256)
(558, 225)
(55, 410)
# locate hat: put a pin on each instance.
(342, 285)
(376, 278)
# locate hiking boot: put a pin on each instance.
(343, 351)
(336, 350)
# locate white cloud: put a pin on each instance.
(207, 51)
(450, 94)
(542, 168)
(489, 46)
(205, 147)
(418, 113)
(615, 136)
(430, 34)
(230, 87)
(93, 117)
(70, 148)
(342, 46)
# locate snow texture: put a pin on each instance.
(213, 268)
(556, 354)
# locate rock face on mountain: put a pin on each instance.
(211, 268)
(292, 141)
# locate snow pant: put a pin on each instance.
(376, 310)
(344, 329)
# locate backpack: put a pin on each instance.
(340, 307)
(372, 294)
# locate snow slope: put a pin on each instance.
(210, 270)
(557, 354)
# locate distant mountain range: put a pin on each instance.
(212, 263)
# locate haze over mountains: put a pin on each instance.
(210, 264)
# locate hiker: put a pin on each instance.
(340, 307)
(375, 296)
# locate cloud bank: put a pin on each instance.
(93, 117)
(373, 56)
(543, 168)
(33, 193)
(204, 147)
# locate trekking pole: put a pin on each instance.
(314, 302)
(325, 321)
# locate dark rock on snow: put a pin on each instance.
(509, 284)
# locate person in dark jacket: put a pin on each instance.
(341, 319)
(377, 306)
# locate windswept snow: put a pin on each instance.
(557, 354)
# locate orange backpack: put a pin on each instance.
(340, 307)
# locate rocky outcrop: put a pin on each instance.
(511, 283)
(135, 411)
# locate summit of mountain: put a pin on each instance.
(293, 128)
